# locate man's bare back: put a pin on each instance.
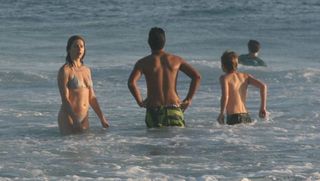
(161, 71)
(163, 105)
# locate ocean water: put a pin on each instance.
(33, 36)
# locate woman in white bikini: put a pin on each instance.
(76, 90)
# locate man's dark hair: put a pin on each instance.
(157, 38)
(253, 46)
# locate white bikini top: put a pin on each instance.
(74, 83)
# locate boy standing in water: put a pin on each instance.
(234, 86)
(164, 107)
(252, 59)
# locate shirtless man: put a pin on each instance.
(234, 86)
(76, 91)
(164, 107)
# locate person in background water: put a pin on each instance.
(164, 107)
(252, 59)
(76, 91)
(234, 87)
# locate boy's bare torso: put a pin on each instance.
(236, 85)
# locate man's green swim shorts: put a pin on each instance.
(162, 116)
(238, 118)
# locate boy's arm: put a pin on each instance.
(195, 83)
(263, 94)
(133, 87)
(224, 99)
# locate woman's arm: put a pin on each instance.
(64, 93)
(93, 101)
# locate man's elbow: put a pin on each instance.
(264, 88)
(197, 77)
(130, 84)
(224, 98)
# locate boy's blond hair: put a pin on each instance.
(229, 61)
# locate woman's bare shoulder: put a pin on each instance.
(86, 69)
(64, 69)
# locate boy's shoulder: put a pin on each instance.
(223, 76)
(241, 75)
(237, 73)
